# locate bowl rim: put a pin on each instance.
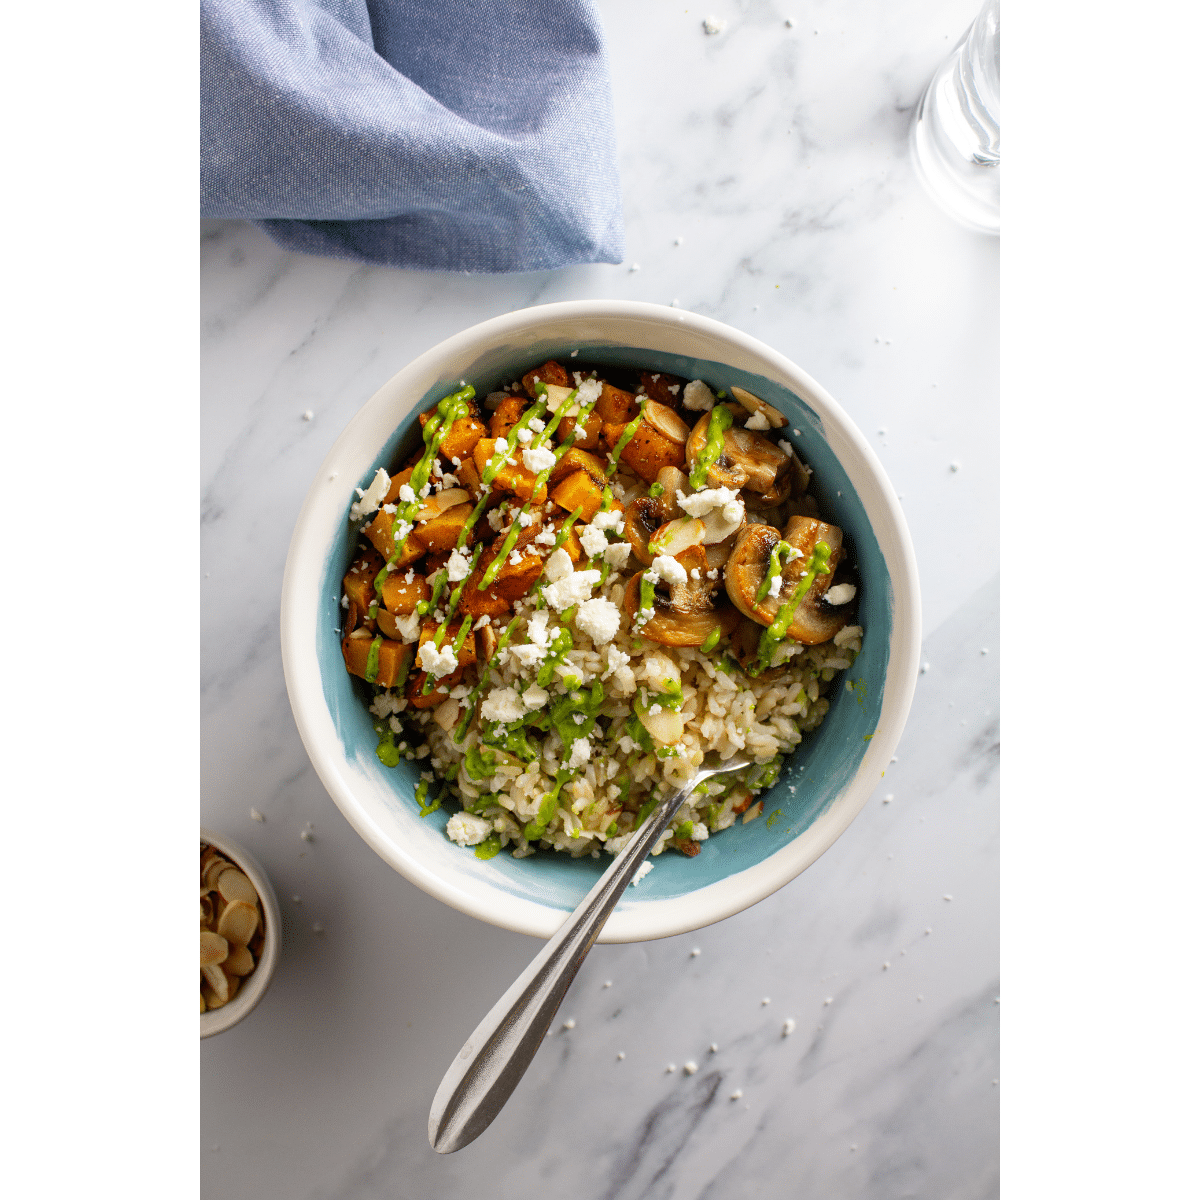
(707, 904)
(217, 1020)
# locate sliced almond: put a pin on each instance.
(214, 948)
(677, 536)
(665, 726)
(449, 497)
(555, 395)
(749, 401)
(232, 982)
(206, 909)
(218, 981)
(239, 962)
(752, 813)
(203, 1004)
(233, 885)
(212, 871)
(446, 714)
(209, 998)
(238, 922)
(667, 422)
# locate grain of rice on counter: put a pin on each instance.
(579, 588)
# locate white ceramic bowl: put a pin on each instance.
(254, 985)
(824, 784)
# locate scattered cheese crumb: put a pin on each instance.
(614, 520)
(697, 396)
(690, 1068)
(569, 1023)
(502, 704)
(370, 499)
(458, 567)
(669, 569)
(736, 1095)
(758, 420)
(525, 436)
(558, 566)
(617, 554)
(695, 952)
(572, 590)
(599, 619)
(538, 459)
(713, 25)
(642, 872)
(437, 662)
(467, 829)
(592, 540)
(255, 815)
(581, 751)
(789, 1027)
(840, 593)
(307, 414)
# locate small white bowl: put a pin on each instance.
(254, 985)
(825, 782)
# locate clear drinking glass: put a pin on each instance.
(956, 132)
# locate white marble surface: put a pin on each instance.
(779, 157)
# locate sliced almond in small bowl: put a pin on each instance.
(214, 948)
(238, 922)
(218, 981)
(233, 885)
(239, 962)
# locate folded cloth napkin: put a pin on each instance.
(454, 135)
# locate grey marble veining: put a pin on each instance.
(778, 157)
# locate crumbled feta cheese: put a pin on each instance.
(525, 436)
(581, 751)
(673, 388)
(503, 704)
(527, 656)
(409, 627)
(467, 829)
(573, 589)
(536, 631)
(599, 619)
(514, 559)
(558, 566)
(617, 555)
(776, 584)
(592, 540)
(786, 447)
(546, 538)
(449, 480)
(458, 566)
(758, 420)
(614, 519)
(697, 397)
(501, 446)
(538, 459)
(642, 872)
(495, 520)
(654, 710)
(537, 425)
(372, 498)
(669, 570)
(714, 573)
(700, 504)
(589, 391)
(695, 574)
(616, 660)
(484, 620)
(524, 519)
(437, 662)
(535, 697)
(840, 593)
(345, 601)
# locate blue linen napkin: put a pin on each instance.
(456, 135)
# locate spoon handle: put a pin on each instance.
(494, 1058)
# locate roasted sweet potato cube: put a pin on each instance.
(489, 602)
(512, 477)
(549, 372)
(615, 407)
(379, 534)
(462, 435)
(401, 598)
(513, 582)
(393, 656)
(574, 460)
(579, 489)
(466, 656)
(506, 416)
(647, 452)
(441, 532)
(658, 384)
(437, 693)
(571, 545)
(359, 581)
(587, 438)
(400, 478)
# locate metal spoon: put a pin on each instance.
(495, 1057)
